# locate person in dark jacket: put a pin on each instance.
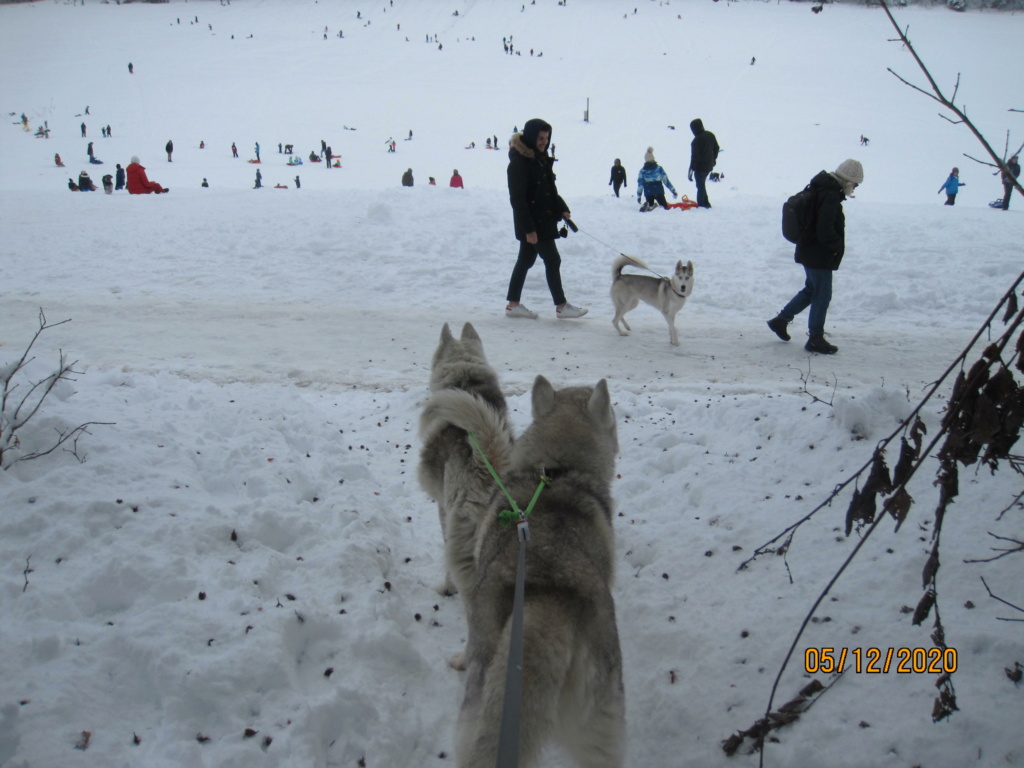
(651, 183)
(821, 255)
(169, 148)
(618, 176)
(952, 186)
(85, 183)
(407, 178)
(537, 210)
(119, 178)
(1012, 172)
(703, 156)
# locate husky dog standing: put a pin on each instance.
(465, 398)
(572, 666)
(666, 294)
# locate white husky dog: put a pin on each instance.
(465, 399)
(666, 294)
(572, 690)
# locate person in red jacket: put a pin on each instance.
(456, 180)
(138, 182)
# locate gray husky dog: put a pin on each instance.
(572, 690)
(465, 398)
(665, 294)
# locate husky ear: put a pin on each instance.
(679, 267)
(689, 267)
(469, 332)
(543, 397)
(446, 334)
(600, 406)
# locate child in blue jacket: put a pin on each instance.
(952, 186)
(649, 183)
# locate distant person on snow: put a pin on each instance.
(952, 186)
(407, 178)
(58, 161)
(119, 178)
(169, 149)
(456, 180)
(138, 182)
(703, 156)
(72, 186)
(821, 255)
(1012, 172)
(85, 183)
(618, 176)
(259, 180)
(651, 183)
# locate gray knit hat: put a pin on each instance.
(649, 155)
(850, 171)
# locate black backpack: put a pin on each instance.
(799, 216)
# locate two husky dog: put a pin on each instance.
(666, 294)
(572, 666)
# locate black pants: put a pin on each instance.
(701, 177)
(950, 199)
(659, 199)
(548, 251)
(616, 185)
(1007, 191)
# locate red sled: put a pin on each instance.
(685, 204)
(280, 186)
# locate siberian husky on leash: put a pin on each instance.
(666, 294)
(572, 690)
(465, 398)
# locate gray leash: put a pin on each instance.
(508, 740)
(634, 260)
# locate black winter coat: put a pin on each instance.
(703, 148)
(618, 175)
(826, 250)
(536, 205)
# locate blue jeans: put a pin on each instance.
(816, 294)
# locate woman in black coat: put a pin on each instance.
(537, 209)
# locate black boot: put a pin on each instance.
(818, 344)
(778, 325)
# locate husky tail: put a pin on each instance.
(470, 413)
(622, 261)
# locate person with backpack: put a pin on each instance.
(651, 183)
(819, 250)
(952, 186)
(1008, 176)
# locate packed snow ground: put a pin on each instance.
(244, 544)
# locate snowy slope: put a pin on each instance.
(244, 545)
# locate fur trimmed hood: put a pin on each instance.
(518, 144)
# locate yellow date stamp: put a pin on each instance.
(880, 661)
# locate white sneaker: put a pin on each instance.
(520, 310)
(569, 311)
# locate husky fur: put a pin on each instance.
(666, 294)
(465, 398)
(572, 690)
